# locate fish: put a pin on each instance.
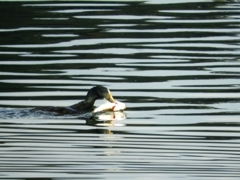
(109, 106)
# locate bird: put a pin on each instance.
(86, 105)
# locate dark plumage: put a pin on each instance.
(86, 105)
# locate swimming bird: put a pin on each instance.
(86, 105)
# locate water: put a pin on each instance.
(174, 64)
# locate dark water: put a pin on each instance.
(175, 64)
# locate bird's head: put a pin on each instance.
(104, 92)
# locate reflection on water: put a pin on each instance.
(174, 64)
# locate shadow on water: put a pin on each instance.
(174, 64)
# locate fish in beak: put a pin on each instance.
(118, 106)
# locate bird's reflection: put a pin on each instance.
(107, 118)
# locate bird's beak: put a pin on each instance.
(110, 97)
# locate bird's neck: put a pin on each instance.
(90, 100)
(86, 104)
(91, 96)
(83, 105)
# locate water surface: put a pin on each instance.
(174, 64)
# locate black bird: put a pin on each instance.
(86, 105)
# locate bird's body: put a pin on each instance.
(86, 105)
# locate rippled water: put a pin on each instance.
(175, 65)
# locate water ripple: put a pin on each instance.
(175, 64)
